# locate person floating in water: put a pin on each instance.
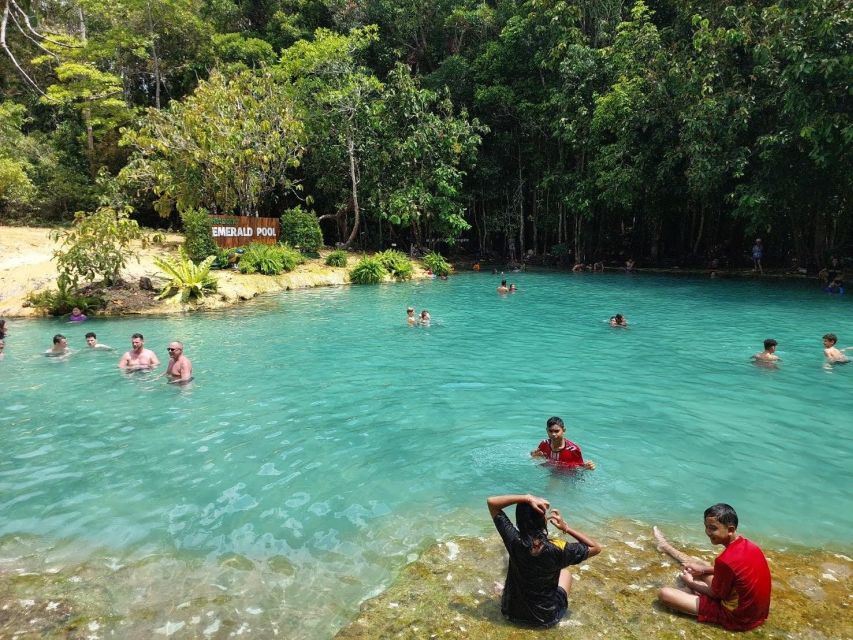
(769, 353)
(834, 354)
(558, 449)
(92, 342)
(757, 254)
(536, 591)
(410, 317)
(733, 593)
(618, 321)
(138, 358)
(180, 369)
(513, 288)
(503, 288)
(425, 317)
(59, 348)
(77, 315)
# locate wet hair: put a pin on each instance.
(554, 420)
(91, 334)
(137, 335)
(503, 283)
(410, 310)
(531, 524)
(724, 514)
(831, 337)
(770, 342)
(58, 338)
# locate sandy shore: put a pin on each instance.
(26, 266)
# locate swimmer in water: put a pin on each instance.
(425, 317)
(833, 354)
(410, 317)
(558, 449)
(180, 369)
(92, 342)
(77, 315)
(513, 288)
(60, 347)
(503, 288)
(138, 358)
(618, 321)
(768, 355)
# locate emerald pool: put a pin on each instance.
(324, 443)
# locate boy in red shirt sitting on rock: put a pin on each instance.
(735, 592)
(557, 449)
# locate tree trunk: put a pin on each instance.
(354, 181)
(155, 58)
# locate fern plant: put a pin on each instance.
(189, 280)
(396, 263)
(338, 258)
(369, 270)
(436, 263)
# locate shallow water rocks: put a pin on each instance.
(448, 593)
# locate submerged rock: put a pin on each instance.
(449, 593)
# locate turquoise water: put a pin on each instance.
(325, 442)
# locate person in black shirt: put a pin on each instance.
(537, 581)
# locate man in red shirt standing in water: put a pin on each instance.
(735, 592)
(558, 449)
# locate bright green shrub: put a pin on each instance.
(269, 259)
(301, 229)
(290, 257)
(338, 258)
(369, 270)
(59, 302)
(396, 263)
(188, 280)
(198, 239)
(437, 264)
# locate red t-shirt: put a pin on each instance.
(570, 453)
(741, 588)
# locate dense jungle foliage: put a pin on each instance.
(672, 131)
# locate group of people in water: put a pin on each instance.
(413, 320)
(833, 354)
(734, 592)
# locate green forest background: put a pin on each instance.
(673, 131)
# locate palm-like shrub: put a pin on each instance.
(269, 259)
(189, 280)
(369, 270)
(437, 264)
(338, 258)
(396, 263)
(60, 301)
(290, 257)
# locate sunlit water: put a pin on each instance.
(324, 442)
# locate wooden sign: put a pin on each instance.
(238, 231)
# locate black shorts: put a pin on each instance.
(562, 611)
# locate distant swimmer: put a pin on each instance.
(425, 317)
(92, 342)
(180, 369)
(513, 288)
(558, 449)
(618, 321)
(138, 358)
(834, 354)
(59, 348)
(503, 288)
(769, 353)
(77, 315)
(410, 316)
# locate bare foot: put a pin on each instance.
(666, 547)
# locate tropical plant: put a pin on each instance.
(268, 259)
(300, 228)
(198, 236)
(60, 301)
(190, 281)
(97, 246)
(437, 264)
(396, 263)
(290, 257)
(338, 258)
(369, 270)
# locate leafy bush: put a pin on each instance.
(301, 229)
(269, 259)
(198, 239)
(396, 263)
(369, 270)
(437, 264)
(59, 302)
(338, 258)
(97, 246)
(225, 257)
(189, 280)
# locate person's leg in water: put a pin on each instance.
(681, 598)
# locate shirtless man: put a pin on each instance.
(92, 342)
(59, 348)
(138, 357)
(180, 369)
(833, 353)
(769, 353)
(503, 288)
